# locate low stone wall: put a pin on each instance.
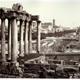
(36, 68)
(44, 71)
(64, 57)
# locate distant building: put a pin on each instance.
(46, 27)
(49, 27)
(56, 28)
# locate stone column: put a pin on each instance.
(17, 38)
(30, 37)
(21, 38)
(79, 36)
(13, 40)
(3, 56)
(26, 38)
(38, 36)
(9, 39)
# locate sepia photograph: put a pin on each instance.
(40, 39)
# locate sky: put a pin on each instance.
(65, 12)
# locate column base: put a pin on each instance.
(30, 52)
(26, 53)
(14, 62)
(9, 59)
(16, 70)
(21, 55)
(2, 60)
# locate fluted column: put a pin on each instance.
(3, 56)
(30, 37)
(9, 39)
(21, 38)
(26, 38)
(38, 36)
(13, 40)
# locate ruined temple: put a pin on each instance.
(13, 16)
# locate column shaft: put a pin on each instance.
(17, 47)
(9, 39)
(26, 38)
(3, 56)
(38, 36)
(30, 37)
(21, 38)
(79, 36)
(13, 40)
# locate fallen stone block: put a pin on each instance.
(17, 73)
(13, 71)
(8, 72)
(20, 71)
(3, 67)
(7, 68)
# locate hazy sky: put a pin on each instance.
(66, 14)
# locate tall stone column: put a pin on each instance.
(38, 36)
(21, 38)
(26, 38)
(9, 39)
(13, 40)
(30, 37)
(17, 38)
(3, 56)
(79, 36)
